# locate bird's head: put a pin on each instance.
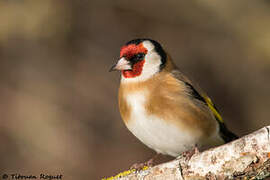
(140, 59)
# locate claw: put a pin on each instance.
(149, 163)
(188, 154)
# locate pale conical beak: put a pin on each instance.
(122, 64)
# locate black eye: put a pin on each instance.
(138, 56)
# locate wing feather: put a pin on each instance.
(226, 135)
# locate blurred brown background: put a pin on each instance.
(58, 102)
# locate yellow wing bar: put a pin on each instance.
(212, 108)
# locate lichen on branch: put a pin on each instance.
(244, 158)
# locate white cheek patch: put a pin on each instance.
(148, 45)
(152, 63)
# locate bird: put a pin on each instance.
(161, 106)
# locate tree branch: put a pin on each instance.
(245, 158)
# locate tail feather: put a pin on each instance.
(226, 134)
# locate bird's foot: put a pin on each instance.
(138, 166)
(149, 163)
(188, 154)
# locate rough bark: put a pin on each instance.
(245, 158)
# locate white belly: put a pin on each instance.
(156, 133)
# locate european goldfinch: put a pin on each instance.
(161, 106)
